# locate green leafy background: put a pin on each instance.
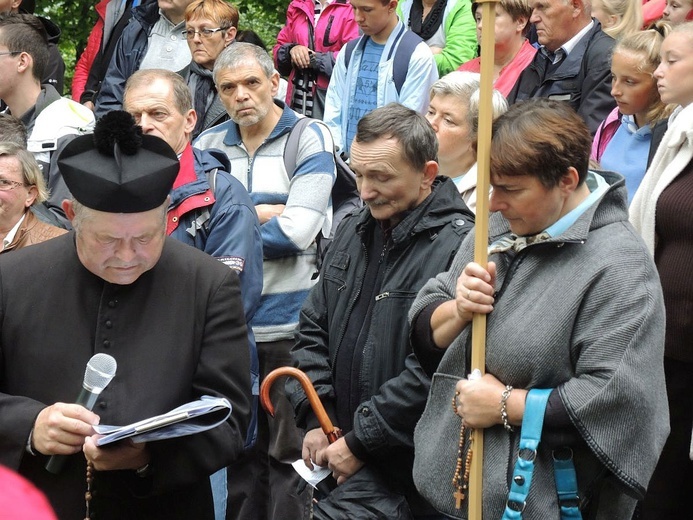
(76, 19)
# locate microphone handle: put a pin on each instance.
(87, 399)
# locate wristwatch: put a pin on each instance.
(29, 448)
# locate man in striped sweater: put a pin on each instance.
(292, 207)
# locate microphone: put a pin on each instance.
(100, 370)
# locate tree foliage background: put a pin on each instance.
(76, 19)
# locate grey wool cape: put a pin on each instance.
(583, 313)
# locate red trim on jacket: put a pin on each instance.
(186, 175)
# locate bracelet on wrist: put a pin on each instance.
(144, 471)
(504, 408)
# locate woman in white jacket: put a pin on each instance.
(661, 212)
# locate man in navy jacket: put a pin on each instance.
(573, 63)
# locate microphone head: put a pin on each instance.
(100, 370)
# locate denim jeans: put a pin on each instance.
(219, 493)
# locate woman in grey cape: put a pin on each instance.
(574, 305)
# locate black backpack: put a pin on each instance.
(345, 196)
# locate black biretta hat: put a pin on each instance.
(117, 169)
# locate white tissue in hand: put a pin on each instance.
(314, 476)
(476, 374)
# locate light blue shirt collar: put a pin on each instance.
(597, 186)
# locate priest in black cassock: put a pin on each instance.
(169, 314)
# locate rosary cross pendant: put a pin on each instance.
(459, 497)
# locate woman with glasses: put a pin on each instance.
(21, 186)
(210, 26)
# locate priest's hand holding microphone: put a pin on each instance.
(64, 429)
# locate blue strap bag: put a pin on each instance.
(564, 469)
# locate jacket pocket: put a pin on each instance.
(436, 440)
(337, 268)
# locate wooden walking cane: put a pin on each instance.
(330, 431)
(488, 16)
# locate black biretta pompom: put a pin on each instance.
(117, 127)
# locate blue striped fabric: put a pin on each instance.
(288, 240)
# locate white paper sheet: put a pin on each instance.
(188, 419)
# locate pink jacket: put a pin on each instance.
(652, 11)
(604, 134)
(335, 28)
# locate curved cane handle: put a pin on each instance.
(328, 429)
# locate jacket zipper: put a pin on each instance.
(348, 314)
(383, 254)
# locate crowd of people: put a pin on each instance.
(180, 211)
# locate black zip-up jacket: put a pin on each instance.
(583, 78)
(127, 56)
(392, 384)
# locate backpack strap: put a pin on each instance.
(212, 179)
(405, 49)
(291, 146)
(350, 46)
(532, 424)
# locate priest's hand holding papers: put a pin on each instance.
(188, 419)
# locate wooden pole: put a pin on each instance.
(488, 16)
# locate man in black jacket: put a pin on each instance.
(573, 63)
(352, 339)
(152, 40)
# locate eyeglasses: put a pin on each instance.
(10, 53)
(204, 33)
(7, 184)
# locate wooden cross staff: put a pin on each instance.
(488, 17)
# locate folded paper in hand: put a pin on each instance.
(188, 419)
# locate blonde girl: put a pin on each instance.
(623, 141)
(619, 18)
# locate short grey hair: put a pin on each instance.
(499, 106)
(464, 86)
(242, 53)
(13, 130)
(182, 97)
(83, 213)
